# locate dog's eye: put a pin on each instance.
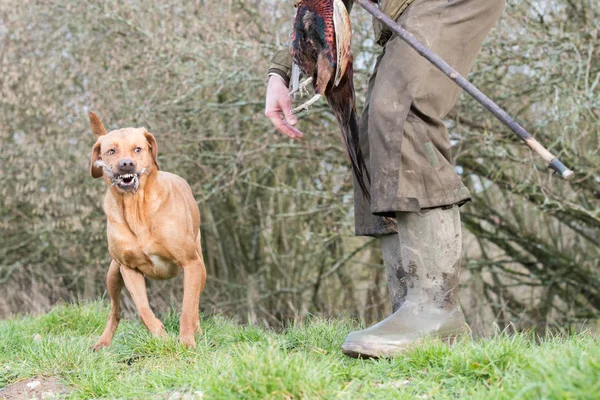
(137, 149)
(111, 152)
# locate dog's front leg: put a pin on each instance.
(134, 281)
(194, 277)
(114, 283)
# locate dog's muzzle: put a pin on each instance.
(128, 182)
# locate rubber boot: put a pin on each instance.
(392, 261)
(430, 249)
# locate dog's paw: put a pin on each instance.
(100, 344)
(157, 329)
(159, 333)
(188, 340)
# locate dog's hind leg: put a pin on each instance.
(114, 283)
(134, 281)
(194, 277)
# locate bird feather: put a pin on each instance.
(343, 38)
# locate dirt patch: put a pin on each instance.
(34, 388)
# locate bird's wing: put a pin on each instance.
(343, 38)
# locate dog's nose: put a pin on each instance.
(126, 165)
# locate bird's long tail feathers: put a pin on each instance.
(341, 101)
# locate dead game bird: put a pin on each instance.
(321, 40)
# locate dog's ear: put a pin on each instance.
(94, 169)
(153, 147)
(96, 125)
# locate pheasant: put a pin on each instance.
(320, 47)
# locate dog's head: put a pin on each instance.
(122, 156)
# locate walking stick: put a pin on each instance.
(468, 87)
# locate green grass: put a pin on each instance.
(234, 361)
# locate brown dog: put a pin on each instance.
(152, 227)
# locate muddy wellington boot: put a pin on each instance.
(392, 261)
(430, 249)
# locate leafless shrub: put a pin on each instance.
(276, 215)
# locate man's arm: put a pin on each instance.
(281, 64)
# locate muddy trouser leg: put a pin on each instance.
(412, 175)
(367, 224)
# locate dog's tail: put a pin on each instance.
(96, 125)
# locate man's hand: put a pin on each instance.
(278, 107)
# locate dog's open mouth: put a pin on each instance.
(127, 181)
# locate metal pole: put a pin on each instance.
(468, 87)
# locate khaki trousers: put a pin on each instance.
(403, 135)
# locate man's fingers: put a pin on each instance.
(291, 131)
(282, 126)
(286, 107)
(278, 107)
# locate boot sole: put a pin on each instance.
(359, 350)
